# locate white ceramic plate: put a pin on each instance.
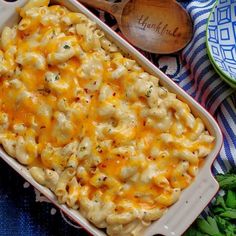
(194, 199)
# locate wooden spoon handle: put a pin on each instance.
(100, 4)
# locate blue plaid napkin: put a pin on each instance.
(22, 215)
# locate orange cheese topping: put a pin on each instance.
(142, 153)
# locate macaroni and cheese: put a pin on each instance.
(90, 124)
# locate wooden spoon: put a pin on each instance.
(158, 26)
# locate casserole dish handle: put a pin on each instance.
(174, 223)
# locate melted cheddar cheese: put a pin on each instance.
(69, 100)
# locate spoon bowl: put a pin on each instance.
(155, 26)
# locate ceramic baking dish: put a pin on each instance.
(194, 199)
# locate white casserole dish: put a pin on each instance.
(194, 198)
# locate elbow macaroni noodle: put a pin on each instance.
(91, 124)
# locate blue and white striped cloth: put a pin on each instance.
(198, 78)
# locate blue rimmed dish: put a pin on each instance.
(221, 40)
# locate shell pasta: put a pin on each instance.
(90, 124)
